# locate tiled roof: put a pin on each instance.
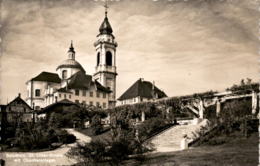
(64, 102)
(82, 81)
(19, 100)
(102, 88)
(142, 89)
(48, 77)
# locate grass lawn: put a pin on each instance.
(239, 152)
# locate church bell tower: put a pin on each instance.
(105, 70)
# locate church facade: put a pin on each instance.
(71, 81)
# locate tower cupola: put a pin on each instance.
(105, 27)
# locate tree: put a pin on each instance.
(96, 125)
(244, 87)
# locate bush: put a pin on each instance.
(151, 126)
(70, 138)
(89, 154)
(74, 118)
(38, 136)
(101, 152)
(96, 125)
(65, 138)
(119, 151)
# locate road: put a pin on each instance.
(55, 157)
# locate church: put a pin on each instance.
(71, 81)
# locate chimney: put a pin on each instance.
(142, 79)
(19, 94)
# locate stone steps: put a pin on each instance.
(170, 140)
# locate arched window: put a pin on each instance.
(98, 58)
(64, 74)
(108, 58)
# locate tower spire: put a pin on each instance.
(71, 52)
(71, 44)
(105, 27)
(71, 49)
(106, 7)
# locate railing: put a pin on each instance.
(106, 68)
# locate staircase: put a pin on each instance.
(170, 139)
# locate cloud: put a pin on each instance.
(184, 46)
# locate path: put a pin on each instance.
(55, 157)
(80, 137)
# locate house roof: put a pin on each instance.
(143, 89)
(47, 77)
(64, 102)
(19, 100)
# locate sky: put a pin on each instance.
(185, 46)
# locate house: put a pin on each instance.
(62, 106)
(140, 91)
(17, 111)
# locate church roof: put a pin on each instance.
(143, 89)
(47, 77)
(80, 80)
(71, 63)
(105, 27)
(101, 88)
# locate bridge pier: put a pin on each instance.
(143, 116)
(218, 107)
(254, 102)
(201, 109)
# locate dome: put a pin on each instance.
(70, 63)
